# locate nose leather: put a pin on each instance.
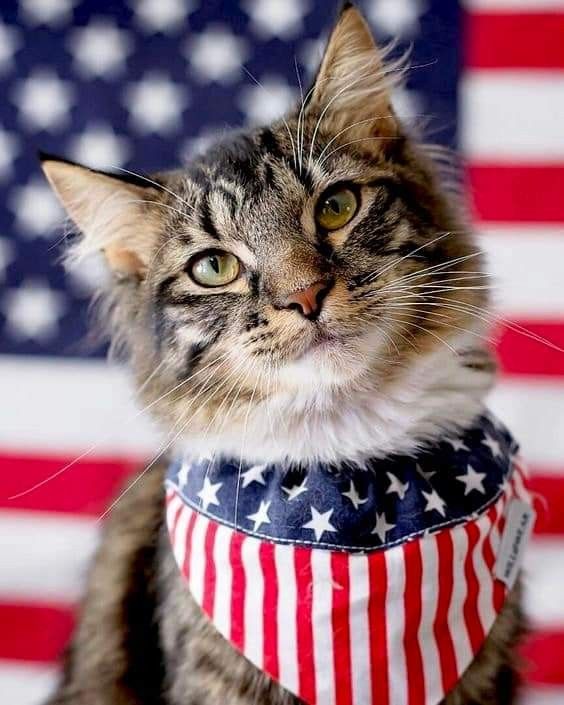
(308, 301)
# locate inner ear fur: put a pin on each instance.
(115, 215)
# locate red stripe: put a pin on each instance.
(520, 355)
(342, 664)
(34, 633)
(83, 488)
(187, 552)
(238, 589)
(471, 614)
(517, 193)
(304, 627)
(208, 600)
(549, 504)
(441, 630)
(542, 653)
(412, 602)
(528, 40)
(269, 609)
(377, 623)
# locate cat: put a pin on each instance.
(300, 293)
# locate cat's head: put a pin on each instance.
(290, 267)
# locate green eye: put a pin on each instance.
(336, 209)
(214, 268)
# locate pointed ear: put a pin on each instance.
(111, 212)
(353, 85)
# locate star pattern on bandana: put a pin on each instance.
(363, 507)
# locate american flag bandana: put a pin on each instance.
(373, 585)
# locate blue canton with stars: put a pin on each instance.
(141, 84)
(386, 502)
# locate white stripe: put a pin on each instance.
(359, 628)
(223, 579)
(543, 579)
(547, 695)
(64, 406)
(322, 601)
(198, 557)
(513, 115)
(287, 616)
(532, 409)
(484, 576)
(456, 622)
(172, 507)
(45, 556)
(26, 684)
(254, 598)
(426, 637)
(395, 625)
(514, 6)
(527, 270)
(179, 536)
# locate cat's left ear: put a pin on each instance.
(353, 85)
(115, 215)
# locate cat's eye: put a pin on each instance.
(214, 268)
(336, 208)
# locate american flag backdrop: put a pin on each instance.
(142, 84)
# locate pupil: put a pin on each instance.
(214, 261)
(334, 205)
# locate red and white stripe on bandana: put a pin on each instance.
(394, 626)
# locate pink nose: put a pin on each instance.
(310, 300)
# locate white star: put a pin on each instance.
(89, 274)
(161, 15)
(407, 103)
(254, 474)
(473, 481)
(183, 474)
(260, 517)
(33, 310)
(425, 474)
(277, 18)
(457, 444)
(155, 103)
(397, 486)
(99, 147)
(267, 101)
(493, 445)
(208, 493)
(216, 54)
(44, 101)
(319, 523)
(8, 150)
(353, 495)
(48, 12)
(311, 53)
(382, 527)
(100, 48)
(6, 255)
(36, 209)
(434, 502)
(296, 490)
(9, 44)
(396, 18)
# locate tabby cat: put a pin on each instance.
(303, 292)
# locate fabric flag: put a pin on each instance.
(142, 84)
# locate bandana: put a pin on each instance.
(373, 585)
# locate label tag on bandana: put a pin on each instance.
(372, 585)
(518, 527)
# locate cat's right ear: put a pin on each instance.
(116, 215)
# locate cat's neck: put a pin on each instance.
(440, 395)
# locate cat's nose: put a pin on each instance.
(308, 301)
